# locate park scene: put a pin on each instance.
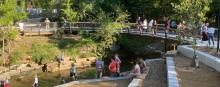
(109, 43)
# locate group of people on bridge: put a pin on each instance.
(180, 28)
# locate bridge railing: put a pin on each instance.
(79, 26)
(37, 28)
(40, 27)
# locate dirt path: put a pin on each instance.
(157, 75)
(188, 77)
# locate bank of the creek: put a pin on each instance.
(49, 79)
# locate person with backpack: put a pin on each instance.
(73, 71)
(99, 68)
(113, 68)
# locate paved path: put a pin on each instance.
(157, 75)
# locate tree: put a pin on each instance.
(194, 13)
(9, 15)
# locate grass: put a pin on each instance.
(45, 49)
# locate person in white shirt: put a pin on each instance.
(211, 32)
(117, 59)
(203, 33)
(145, 24)
(136, 72)
(47, 22)
(35, 81)
(150, 25)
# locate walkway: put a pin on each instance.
(157, 74)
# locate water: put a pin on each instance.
(47, 79)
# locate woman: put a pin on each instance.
(136, 72)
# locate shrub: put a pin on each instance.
(43, 53)
(16, 56)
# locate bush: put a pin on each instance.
(43, 53)
(16, 56)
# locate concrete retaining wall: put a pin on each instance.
(205, 58)
(171, 73)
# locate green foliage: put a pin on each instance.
(82, 48)
(69, 13)
(110, 30)
(43, 52)
(12, 33)
(9, 13)
(193, 12)
(16, 56)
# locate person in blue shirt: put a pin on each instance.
(99, 68)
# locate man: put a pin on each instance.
(211, 32)
(99, 68)
(47, 22)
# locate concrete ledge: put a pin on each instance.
(171, 73)
(137, 82)
(92, 81)
(203, 57)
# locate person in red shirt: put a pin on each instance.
(6, 84)
(113, 68)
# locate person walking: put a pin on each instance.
(36, 81)
(99, 68)
(73, 71)
(113, 68)
(211, 32)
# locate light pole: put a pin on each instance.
(218, 25)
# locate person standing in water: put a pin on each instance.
(36, 81)
(73, 73)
